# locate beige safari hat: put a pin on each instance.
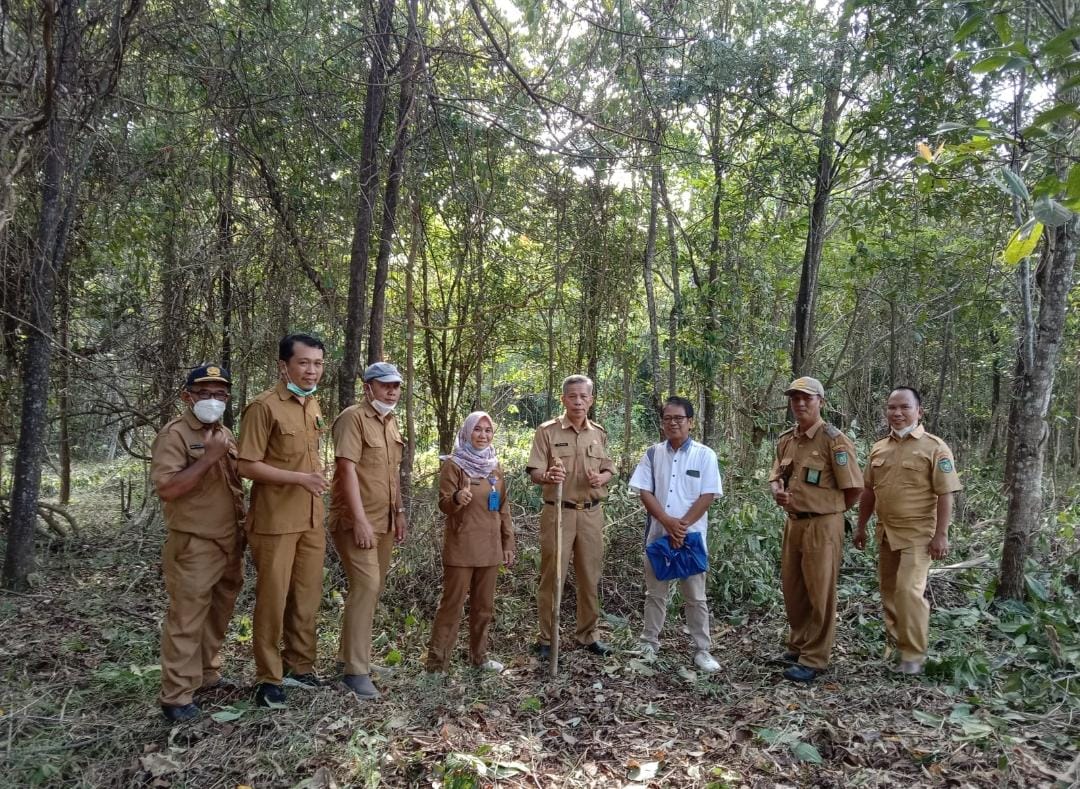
(807, 385)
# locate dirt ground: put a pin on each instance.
(77, 706)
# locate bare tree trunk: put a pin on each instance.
(64, 395)
(410, 359)
(393, 187)
(225, 220)
(59, 21)
(1032, 390)
(647, 272)
(368, 177)
(802, 352)
(676, 295)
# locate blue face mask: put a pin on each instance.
(296, 390)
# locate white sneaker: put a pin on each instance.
(493, 665)
(704, 661)
(647, 651)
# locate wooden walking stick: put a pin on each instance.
(557, 605)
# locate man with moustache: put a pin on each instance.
(910, 482)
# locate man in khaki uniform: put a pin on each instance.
(279, 452)
(367, 515)
(815, 478)
(572, 450)
(910, 481)
(193, 467)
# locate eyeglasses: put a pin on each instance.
(202, 394)
(674, 420)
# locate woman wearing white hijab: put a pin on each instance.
(478, 538)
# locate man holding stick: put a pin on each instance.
(571, 451)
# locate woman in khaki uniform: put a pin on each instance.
(478, 538)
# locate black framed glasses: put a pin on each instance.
(674, 420)
(202, 394)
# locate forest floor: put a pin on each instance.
(80, 674)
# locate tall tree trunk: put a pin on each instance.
(368, 177)
(676, 295)
(393, 188)
(1032, 390)
(802, 352)
(647, 273)
(64, 395)
(225, 220)
(416, 235)
(59, 24)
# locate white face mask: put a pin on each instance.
(904, 431)
(208, 411)
(383, 408)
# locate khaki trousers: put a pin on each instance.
(902, 574)
(478, 584)
(288, 590)
(695, 608)
(366, 569)
(583, 538)
(810, 563)
(203, 578)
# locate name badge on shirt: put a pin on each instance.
(693, 472)
(813, 476)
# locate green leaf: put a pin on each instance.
(805, 752)
(969, 26)
(1011, 184)
(1036, 588)
(769, 736)
(1060, 45)
(1022, 242)
(1072, 183)
(927, 718)
(992, 63)
(1051, 213)
(1004, 30)
(948, 126)
(1055, 113)
(226, 714)
(393, 658)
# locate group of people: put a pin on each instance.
(197, 467)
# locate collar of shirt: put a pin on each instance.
(811, 432)
(369, 409)
(566, 424)
(193, 422)
(685, 446)
(918, 432)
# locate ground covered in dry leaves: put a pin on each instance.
(79, 653)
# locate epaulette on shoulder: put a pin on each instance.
(789, 431)
(548, 423)
(832, 431)
(598, 426)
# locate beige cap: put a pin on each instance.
(807, 385)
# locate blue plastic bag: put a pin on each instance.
(669, 563)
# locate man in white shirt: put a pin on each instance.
(677, 480)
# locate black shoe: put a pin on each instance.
(309, 681)
(599, 648)
(801, 673)
(543, 651)
(268, 694)
(178, 713)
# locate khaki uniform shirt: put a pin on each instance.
(214, 508)
(475, 536)
(280, 431)
(907, 475)
(819, 466)
(376, 447)
(580, 452)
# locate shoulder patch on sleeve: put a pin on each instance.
(841, 457)
(945, 465)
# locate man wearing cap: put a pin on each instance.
(193, 468)
(573, 450)
(815, 478)
(367, 515)
(279, 452)
(910, 481)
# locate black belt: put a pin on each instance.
(576, 505)
(801, 516)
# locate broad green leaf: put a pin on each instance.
(769, 736)
(1036, 588)
(948, 126)
(1055, 113)
(1004, 30)
(1061, 45)
(927, 718)
(1022, 243)
(226, 714)
(500, 770)
(1051, 213)
(805, 752)
(969, 26)
(1072, 183)
(1012, 184)
(992, 63)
